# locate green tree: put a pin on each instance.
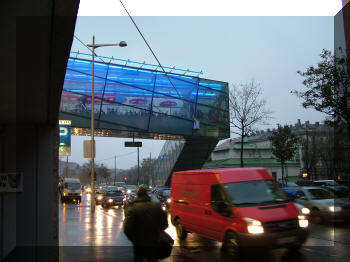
(328, 88)
(247, 109)
(284, 144)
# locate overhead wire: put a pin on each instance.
(88, 48)
(116, 156)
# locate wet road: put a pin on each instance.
(84, 236)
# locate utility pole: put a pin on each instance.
(67, 166)
(150, 169)
(138, 165)
(115, 169)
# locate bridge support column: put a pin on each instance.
(29, 219)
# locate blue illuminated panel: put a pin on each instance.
(143, 100)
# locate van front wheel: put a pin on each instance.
(231, 246)
(180, 231)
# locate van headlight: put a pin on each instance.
(99, 198)
(110, 200)
(254, 226)
(334, 209)
(303, 222)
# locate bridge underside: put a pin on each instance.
(149, 104)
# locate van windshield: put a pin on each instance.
(73, 186)
(250, 193)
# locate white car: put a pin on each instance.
(130, 189)
(324, 205)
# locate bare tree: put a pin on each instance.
(103, 173)
(247, 110)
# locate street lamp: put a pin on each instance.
(94, 46)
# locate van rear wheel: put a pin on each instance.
(231, 246)
(180, 231)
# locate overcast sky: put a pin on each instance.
(232, 49)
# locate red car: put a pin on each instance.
(138, 101)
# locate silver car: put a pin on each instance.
(324, 205)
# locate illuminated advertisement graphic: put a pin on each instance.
(64, 132)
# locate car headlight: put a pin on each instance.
(303, 222)
(128, 191)
(254, 226)
(168, 200)
(334, 209)
(99, 198)
(305, 211)
(110, 200)
(64, 193)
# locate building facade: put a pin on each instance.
(315, 154)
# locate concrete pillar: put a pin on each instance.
(7, 200)
(31, 217)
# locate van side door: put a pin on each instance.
(219, 216)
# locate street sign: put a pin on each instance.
(65, 137)
(87, 149)
(133, 144)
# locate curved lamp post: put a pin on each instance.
(94, 46)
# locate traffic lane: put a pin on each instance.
(78, 226)
(205, 250)
(331, 232)
(325, 243)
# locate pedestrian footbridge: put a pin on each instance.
(142, 101)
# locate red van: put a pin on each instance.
(241, 207)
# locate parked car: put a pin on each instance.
(241, 207)
(112, 198)
(332, 185)
(324, 205)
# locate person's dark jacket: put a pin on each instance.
(143, 222)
